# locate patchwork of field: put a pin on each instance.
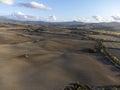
(112, 45)
(47, 62)
(105, 38)
(115, 52)
(114, 48)
(110, 39)
(117, 33)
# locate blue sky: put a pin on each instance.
(65, 10)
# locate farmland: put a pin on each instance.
(49, 57)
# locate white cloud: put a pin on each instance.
(9, 2)
(35, 5)
(23, 17)
(116, 17)
(52, 18)
(82, 20)
(102, 19)
(99, 18)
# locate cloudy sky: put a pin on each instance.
(62, 10)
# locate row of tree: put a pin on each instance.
(100, 48)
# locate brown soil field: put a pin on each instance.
(115, 52)
(36, 62)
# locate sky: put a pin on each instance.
(62, 10)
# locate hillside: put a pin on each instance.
(48, 57)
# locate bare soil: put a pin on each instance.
(34, 62)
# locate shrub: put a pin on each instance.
(92, 50)
(78, 86)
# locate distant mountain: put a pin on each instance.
(107, 24)
(3, 18)
(56, 23)
(20, 17)
(70, 23)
